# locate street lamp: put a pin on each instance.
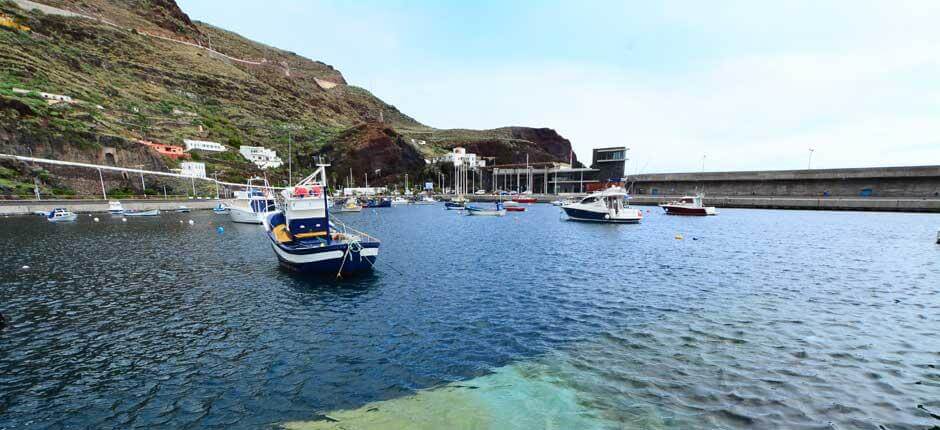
(809, 164)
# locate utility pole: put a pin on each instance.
(101, 178)
(703, 162)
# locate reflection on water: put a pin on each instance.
(758, 319)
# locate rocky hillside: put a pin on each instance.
(142, 70)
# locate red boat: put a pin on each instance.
(688, 205)
(524, 200)
(513, 206)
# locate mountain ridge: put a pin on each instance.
(143, 70)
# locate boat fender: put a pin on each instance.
(191, 222)
(607, 216)
(123, 219)
(96, 219)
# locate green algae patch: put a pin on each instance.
(522, 396)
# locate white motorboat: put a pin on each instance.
(305, 240)
(61, 215)
(397, 201)
(252, 205)
(608, 206)
(115, 207)
(183, 209)
(689, 205)
(152, 212)
(426, 200)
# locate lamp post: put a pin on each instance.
(809, 164)
(703, 162)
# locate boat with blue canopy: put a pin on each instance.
(306, 239)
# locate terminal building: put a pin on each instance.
(607, 168)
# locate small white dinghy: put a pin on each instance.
(61, 215)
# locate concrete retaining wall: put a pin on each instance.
(28, 207)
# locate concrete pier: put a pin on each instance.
(882, 204)
(22, 207)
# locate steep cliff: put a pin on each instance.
(141, 69)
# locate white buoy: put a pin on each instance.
(123, 219)
(25, 267)
(96, 219)
(191, 222)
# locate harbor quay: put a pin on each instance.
(24, 207)
(877, 204)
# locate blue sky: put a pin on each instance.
(746, 85)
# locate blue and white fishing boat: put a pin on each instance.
(61, 215)
(305, 239)
(604, 206)
(474, 210)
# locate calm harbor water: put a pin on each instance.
(756, 319)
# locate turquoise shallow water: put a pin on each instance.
(757, 319)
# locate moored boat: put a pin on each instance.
(220, 209)
(689, 205)
(152, 212)
(351, 205)
(378, 202)
(514, 206)
(115, 207)
(609, 206)
(252, 205)
(306, 240)
(183, 209)
(61, 215)
(397, 201)
(426, 200)
(524, 199)
(478, 211)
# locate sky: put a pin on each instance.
(686, 85)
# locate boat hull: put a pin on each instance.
(688, 211)
(331, 259)
(515, 209)
(576, 214)
(246, 217)
(67, 218)
(155, 212)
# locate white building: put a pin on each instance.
(261, 156)
(460, 157)
(203, 145)
(193, 169)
